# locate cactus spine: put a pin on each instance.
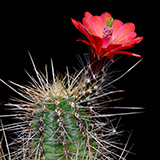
(61, 119)
(59, 130)
(64, 119)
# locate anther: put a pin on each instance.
(107, 32)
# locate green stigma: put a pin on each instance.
(109, 22)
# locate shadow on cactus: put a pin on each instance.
(63, 118)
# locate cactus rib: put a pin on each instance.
(61, 119)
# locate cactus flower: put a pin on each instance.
(106, 36)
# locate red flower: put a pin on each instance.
(106, 36)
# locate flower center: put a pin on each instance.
(107, 32)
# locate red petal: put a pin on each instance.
(126, 46)
(82, 29)
(84, 41)
(88, 26)
(97, 43)
(116, 25)
(128, 37)
(106, 42)
(113, 47)
(88, 15)
(122, 31)
(105, 15)
(111, 58)
(98, 24)
(75, 23)
(127, 53)
(134, 41)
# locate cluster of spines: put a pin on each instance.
(59, 129)
(64, 122)
(62, 118)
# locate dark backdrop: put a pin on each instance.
(45, 30)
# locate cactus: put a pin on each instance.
(62, 119)
(68, 118)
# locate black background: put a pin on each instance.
(45, 30)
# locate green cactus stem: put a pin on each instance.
(62, 119)
(59, 129)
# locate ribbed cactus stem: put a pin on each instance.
(64, 119)
(60, 126)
